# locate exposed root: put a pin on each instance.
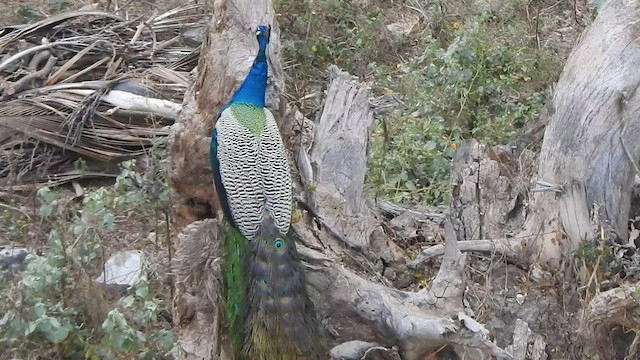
(617, 307)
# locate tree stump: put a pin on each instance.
(590, 150)
(588, 158)
(586, 170)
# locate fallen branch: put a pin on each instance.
(390, 209)
(35, 49)
(26, 81)
(507, 247)
(37, 59)
(128, 101)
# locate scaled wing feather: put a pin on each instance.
(239, 157)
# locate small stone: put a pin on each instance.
(123, 268)
(539, 275)
(12, 260)
(390, 274)
(402, 276)
(193, 36)
(354, 349)
(402, 28)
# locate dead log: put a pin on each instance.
(590, 148)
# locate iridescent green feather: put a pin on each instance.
(235, 275)
(269, 314)
(281, 323)
(250, 116)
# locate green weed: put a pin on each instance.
(461, 75)
(55, 309)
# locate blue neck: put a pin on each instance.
(253, 88)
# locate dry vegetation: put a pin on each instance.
(82, 92)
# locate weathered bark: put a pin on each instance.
(490, 186)
(197, 314)
(616, 308)
(590, 148)
(338, 157)
(527, 345)
(488, 189)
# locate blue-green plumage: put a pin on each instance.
(269, 315)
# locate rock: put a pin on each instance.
(351, 350)
(12, 260)
(403, 28)
(390, 274)
(404, 278)
(193, 36)
(123, 269)
(540, 275)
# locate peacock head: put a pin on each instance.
(263, 33)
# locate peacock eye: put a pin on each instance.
(258, 33)
(278, 244)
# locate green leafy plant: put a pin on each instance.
(142, 308)
(27, 13)
(478, 85)
(55, 309)
(344, 33)
(461, 74)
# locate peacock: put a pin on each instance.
(268, 312)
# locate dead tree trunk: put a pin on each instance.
(590, 149)
(586, 171)
(227, 51)
(587, 162)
